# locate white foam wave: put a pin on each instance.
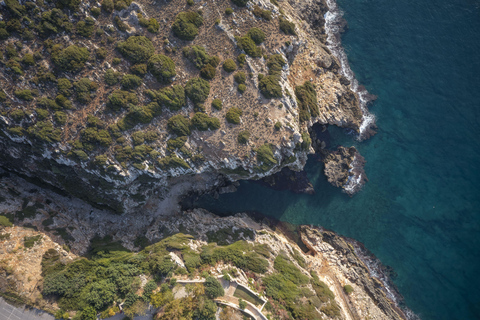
(333, 23)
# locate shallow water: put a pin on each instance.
(420, 211)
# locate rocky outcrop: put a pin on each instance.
(344, 169)
(288, 179)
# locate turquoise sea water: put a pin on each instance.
(420, 211)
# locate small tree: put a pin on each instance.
(242, 304)
(229, 65)
(213, 288)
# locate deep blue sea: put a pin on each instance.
(420, 211)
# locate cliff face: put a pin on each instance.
(105, 159)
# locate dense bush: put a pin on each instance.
(229, 65)
(174, 144)
(198, 56)
(257, 35)
(197, 90)
(265, 157)
(96, 137)
(202, 122)
(60, 117)
(179, 125)
(241, 88)
(44, 131)
(64, 87)
(171, 162)
(208, 72)
(83, 89)
(306, 141)
(233, 115)
(86, 27)
(54, 22)
(248, 45)
(111, 77)
(348, 289)
(71, 59)
(243, 137)
(270, 86)
(121, 25)
(131, 81)
(135, 115)
(228, 11)
(287, 27)
(24, 94)
(137, 49)
(120, 99)
(139, 69)
(217, 104)
(107, 6)
(240, 77)
(151, 24)
(241, 59)
(275, 64)
(162, 67)
(172, 98)
(278, 125)
(307, 101)
(5, 222)
(213, 288)
(261, 13)
(186, 25)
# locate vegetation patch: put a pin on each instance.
(179, 125)
(287, 27)
(233, 115)
(243, 137)
(173, 97)
(307, 101)
(270, 87)
(136, 49)
(242, 293)
(265, 157)
(248, 45)
(197, 90)
(29, 242)
(162, 67)
(72, 58)
(202, 122)
(186, 25)
(199, 57)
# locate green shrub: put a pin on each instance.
(138, 137)
(3, 95)
(5, 222)
(278, 125)
(71, 59)
(86, 27)
(42, 114)
(139, 69)
(96, 11)
(178, 143)
(153, 25)
(29, 242)
(260, 13)
(241, 88)
(64, 87)
(241, 59)
(121, 25)
(208, 72)
(243, 137)
(44, 131)
(24, 94)
(270, 87)
(198, 56)
(213, 288)
(217, 104)
(179, 125)
(28, 59)
(202, 122)
(101, 53)
(288, 270)
(287, 27)
(307, 101)
(190, 2)
(233, 115)
(120, 99)
(240, 77)
(265, 157)
(186, 25)
(136, 49)
(197, 90)
(257, 35)
(112, 77)
(60, 117)
(83, 89)
(172, 98)
(130, 81)
(135, 115)
(306, 141)
(348, 289)
(3, 34)
(240, 3)
(171, 162)
(48, 103)
(229, 65)
(275, 64)
(116, 61)
(248, 45)
(94, 136)
(81, 155)
(107, 6)
(228, 11)
(162, 67)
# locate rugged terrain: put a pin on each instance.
(125, 104)
(329, 277)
